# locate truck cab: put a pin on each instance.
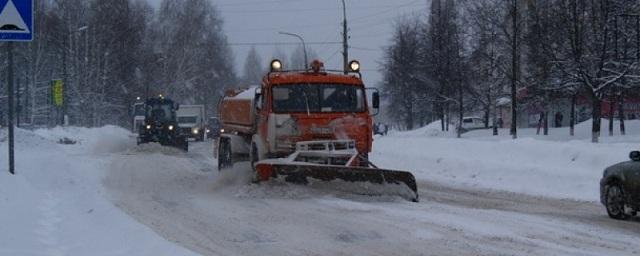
(191, 121)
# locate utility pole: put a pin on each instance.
(514, 67)
(11, 110)
(345, 38)
(64, 78)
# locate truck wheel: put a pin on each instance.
(253, 156)
(615, 202)
(225, 160)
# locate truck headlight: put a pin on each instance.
(195, 131)
(221, 130)
(148, 127)
(208, 131)
(170, 127)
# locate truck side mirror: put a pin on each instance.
(376, 100)
(258, 98)
(634, 156)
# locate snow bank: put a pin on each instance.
(107, 139)
(431, 130)
(56, 204)
(558, 165)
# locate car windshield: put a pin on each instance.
(160, 112)
(187, 119)
(318, 98)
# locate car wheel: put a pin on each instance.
(615, 202)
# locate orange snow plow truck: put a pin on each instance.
(307, 124)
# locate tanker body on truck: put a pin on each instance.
(306, 124)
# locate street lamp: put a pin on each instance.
(304, 47)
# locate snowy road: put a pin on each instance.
(183, 198)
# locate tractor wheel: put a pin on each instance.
(185, 145)
(225, 160)
(615, 202)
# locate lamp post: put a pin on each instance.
(304, 47)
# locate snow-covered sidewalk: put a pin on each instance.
(557, 165)
(56, 203)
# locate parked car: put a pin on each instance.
(620, 188)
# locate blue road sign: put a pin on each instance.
(16, 20)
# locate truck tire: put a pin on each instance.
(225, 160)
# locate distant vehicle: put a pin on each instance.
(380, 128)
(160, 124)
(620, 188)
(191, 121)
(213, 128)
(472, 123)
(137, 111)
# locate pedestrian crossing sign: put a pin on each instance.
(16, 20)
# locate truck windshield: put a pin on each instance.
(318, 98)
(160, 112)
(187, 119)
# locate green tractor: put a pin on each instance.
(160, 124)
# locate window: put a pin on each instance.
(315, 98)
(160, 112)
(187, 119)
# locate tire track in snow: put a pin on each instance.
(170, 195)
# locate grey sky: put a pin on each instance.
(370, 23)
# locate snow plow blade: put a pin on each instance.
(398, 183)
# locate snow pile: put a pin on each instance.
(107, 139)
(558, 165)
(431, 130)
(56, 205)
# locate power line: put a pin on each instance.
(373, 7)
(355, 22)
(260, 2)
(281, 43)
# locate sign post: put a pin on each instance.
(16, 24)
